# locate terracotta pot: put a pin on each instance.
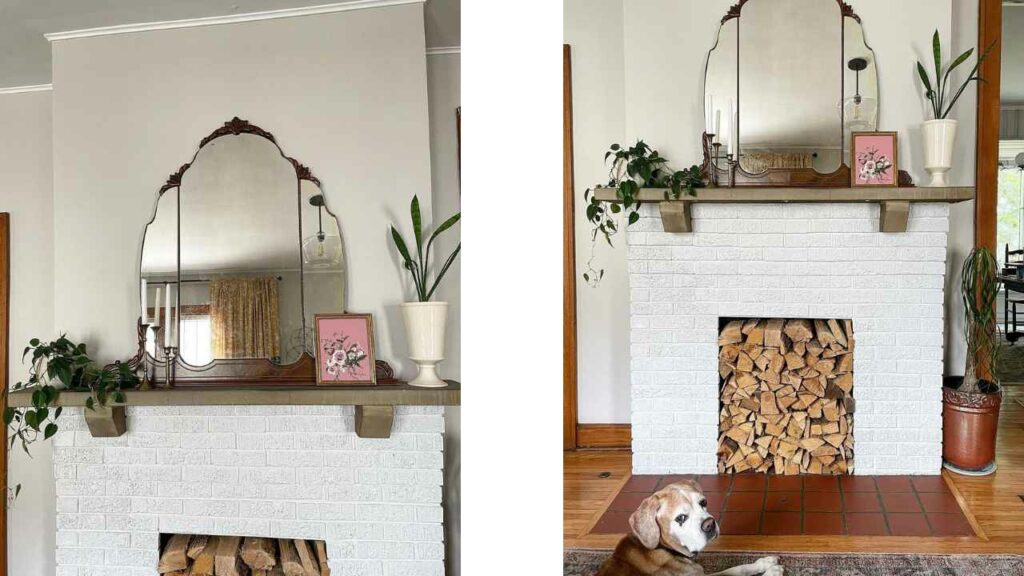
(969, 424)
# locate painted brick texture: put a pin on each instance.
(278, 471)
(788, 261)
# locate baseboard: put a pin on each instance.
(605, 436)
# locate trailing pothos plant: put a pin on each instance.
(56, 363)
(631, 170)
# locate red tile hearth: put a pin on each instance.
(752, 504)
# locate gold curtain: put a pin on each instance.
(243, 318)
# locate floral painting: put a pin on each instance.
(874, 159)
(344, 352)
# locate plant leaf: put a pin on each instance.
(937, 54)
(50, 430)
(417, 224)
(444, 270)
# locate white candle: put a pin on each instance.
(731, 128)
(156, 308)
(718, 125)
(709, 103)
(167, 317)
(145, 320)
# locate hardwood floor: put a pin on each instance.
(994, 504)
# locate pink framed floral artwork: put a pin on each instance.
(874, 159)
(344, 349)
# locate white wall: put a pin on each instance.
(443, 86)
(660, 63)
(594, 30)
(27, 193)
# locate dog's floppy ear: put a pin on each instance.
(644, 522)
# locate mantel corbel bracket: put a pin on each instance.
(106, 421)
(894, 216)
(374, 421)
(675, 216)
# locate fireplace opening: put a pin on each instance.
(786, 396)
(204, 555)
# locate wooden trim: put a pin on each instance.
(569, 372)
(604, 436)
(5, 310)
(990, 30)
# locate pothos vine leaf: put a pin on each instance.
(633, 169)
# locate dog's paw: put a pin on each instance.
(774, 570)
(763, 564)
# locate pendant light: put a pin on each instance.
(858, 111)
(321, 250)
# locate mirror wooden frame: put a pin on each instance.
(736, 176)
(249, 372)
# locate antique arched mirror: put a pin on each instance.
(786, 82)
(242, 251)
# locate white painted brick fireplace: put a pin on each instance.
(788, 261)
(276, 471)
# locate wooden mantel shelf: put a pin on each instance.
(374, 404)
(895, 202)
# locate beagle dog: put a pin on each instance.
(669, 528)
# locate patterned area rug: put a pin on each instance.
(586, 563)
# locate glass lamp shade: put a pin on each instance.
(321, 251)
(859, 113)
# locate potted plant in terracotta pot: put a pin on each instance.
(425, 321)
(940, 132)
(970, 404)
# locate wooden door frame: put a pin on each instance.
(574, 434)
(5, 316)
(986, 179)
(569, 369)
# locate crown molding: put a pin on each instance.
(23, 89)
(230, 19)
(444, 50)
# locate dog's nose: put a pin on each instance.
(708, 525)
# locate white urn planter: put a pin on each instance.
(939, 136)
(425, 325)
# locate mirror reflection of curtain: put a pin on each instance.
(244, 317)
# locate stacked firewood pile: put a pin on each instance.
(787, 396)
(196, 555)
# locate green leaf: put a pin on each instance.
(17, 490)
(444, 269)
(446, 225)
(34, 342)
(937, 53)
(633, 217)
(89, 403)
(8, 415)
(417, 224)
(50, 430)
(616, 208)
(400, 244)
(924, 77)
(615, 146)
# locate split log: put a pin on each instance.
(174, 557)
(321, 557)
(309, 564)
(259, 553)
(227, 561)
(290, 563)
(196, 545)
(203, 565)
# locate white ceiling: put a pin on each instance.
(25, 54)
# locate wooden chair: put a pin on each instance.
(1010, 302)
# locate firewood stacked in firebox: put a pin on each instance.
(787, 396)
